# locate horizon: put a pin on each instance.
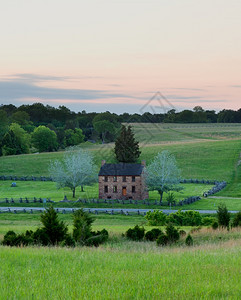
(115, 56)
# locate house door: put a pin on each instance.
(123, 191)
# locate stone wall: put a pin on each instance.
(115, 186)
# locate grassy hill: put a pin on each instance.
(209, 151)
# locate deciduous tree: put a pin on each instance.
(163, 174)
(76, 169)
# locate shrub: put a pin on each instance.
(172, 233)
(223, 215)
(68, 241)
(82, 223)
(13, 239)
(237, 219)
(40, 237)
(207, 221)
(9, 238)
(182, 232)
(162, 240)
(214, 225)
(153, 234)
(136, 233)
(189, 240)
(170, 198)
(156, 218)
(185, 218)
(97, 238)
(54, 229)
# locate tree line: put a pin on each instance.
(47, 128)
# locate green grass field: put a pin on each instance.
(203, 151)
(121, 269)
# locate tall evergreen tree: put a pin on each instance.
(126, 147)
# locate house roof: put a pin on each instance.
(121, 169)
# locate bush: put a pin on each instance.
(13, 239)
(136, 233)
(223, 215)
(189, 240)
(214, 225)
(68, 242)
(172, 233)
(185, 218)
(170, 198)
(162, 240)
(82, 222)
(156, 218)
(182, 232)
(9, 238)
(207, 221)
(153, 234)
(40, 237)
(237, 219)
(97, 238)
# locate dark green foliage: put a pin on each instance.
(54, 232)
(82, 222)
(156, 218)
(170, 198)
(68, 241)
(215, 225)
(185, 218)
(40, 237)
(44, 139)
(10, 144)
(97, 238)
(53, 228)
(237, 219)
(126, 147)
(82, 233)
(136, 233)
(13, 239)
(223, 215)
(189, 240)
(9, 238)
(172, 233)
(182, 232)
(153, 234)
(162, 240)
(207, 221)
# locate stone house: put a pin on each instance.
(122, 181)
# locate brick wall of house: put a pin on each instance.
(115, 188)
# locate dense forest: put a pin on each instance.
(39, 127)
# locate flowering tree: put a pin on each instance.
(163, 174)
(76, 169)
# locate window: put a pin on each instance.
(124, 178)
(133, 178)
(106, 188)
(133, 189)
(114, 178)
(114, 189)
(106, 179)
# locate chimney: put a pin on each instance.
(103, 162)
(143, 163)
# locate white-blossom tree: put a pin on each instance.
(76, 169)
(163, 174)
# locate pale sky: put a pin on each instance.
(115, 55)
